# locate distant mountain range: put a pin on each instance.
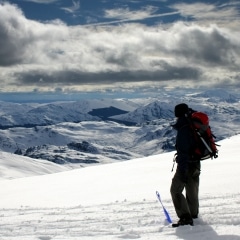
(107, 130)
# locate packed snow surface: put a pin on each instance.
(117, 201)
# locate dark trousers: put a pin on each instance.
(186, 206)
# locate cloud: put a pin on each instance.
(126, 13)
(22, 40)
(211, 46)
(42, 1)
(61, 78)
(123, 15)
(72, 9)
(203, 11)
(45, 56)
(225, 14)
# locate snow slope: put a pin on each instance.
(117, 201)
(14, 166)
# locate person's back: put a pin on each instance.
(184, 142)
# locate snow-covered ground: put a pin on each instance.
(14, 166)
(118, 201)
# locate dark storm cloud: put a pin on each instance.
(37, 78)
(208, 48)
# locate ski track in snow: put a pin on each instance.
(121, 220)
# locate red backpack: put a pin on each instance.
(204, 144)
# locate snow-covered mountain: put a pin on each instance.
(25, 115)
(83, 143)
(156, 110)
(117, 201)
(217, 95)
(97, 131)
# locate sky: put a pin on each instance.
(116, 201)
(67, 47)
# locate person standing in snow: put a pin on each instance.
(187, 172)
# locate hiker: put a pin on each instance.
(187, 172)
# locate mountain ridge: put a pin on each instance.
(144, 129)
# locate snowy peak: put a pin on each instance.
(218, 95)
(153, 111)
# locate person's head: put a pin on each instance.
(181, 109)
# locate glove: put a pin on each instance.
(215, 154)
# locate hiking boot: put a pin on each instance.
(185, 221)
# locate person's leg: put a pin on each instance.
(179, 200)
(192, 190)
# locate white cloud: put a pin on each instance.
(41, 1)
(125, 13)
(72, 9)
(208, 13)
(36, 55)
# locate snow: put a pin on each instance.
(14, 166)
(48, 131)
(118, 201)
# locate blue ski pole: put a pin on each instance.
(168, 218)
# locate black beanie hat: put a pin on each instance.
(181, 109)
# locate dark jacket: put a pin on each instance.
(184, 143)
